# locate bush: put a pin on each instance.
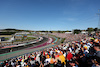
(62, 40)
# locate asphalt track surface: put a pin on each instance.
(2, 51)
(25, 51)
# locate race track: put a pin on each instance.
(6, 50)
(27, 50)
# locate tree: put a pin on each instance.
(50, 31)
(95, 29)
(62, 41)
(90, 30)
(67, 31)
(77, 31)
(58, 31)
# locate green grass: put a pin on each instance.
(6, 38)
(63, 39)
(29, 34)
(28, 38)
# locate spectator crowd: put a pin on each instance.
(82, 53)
(70, 37)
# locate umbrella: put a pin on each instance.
(69, 56)
(62, 58)
(92, 38)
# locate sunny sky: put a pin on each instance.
(49, 14)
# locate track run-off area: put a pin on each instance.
(17, 53)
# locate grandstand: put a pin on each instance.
(64, 55)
